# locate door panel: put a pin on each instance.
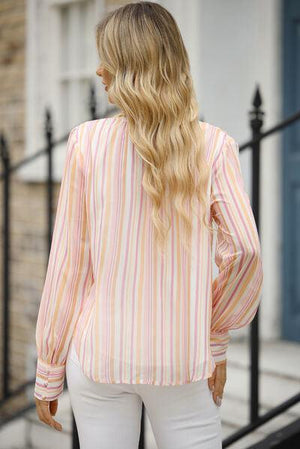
(291, 172)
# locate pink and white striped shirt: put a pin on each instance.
(134, 315)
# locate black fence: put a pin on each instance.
(256, 123)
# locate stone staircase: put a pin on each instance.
(279, 380)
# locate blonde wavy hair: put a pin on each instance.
(141, 47)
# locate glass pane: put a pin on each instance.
(70, 37)
(64, 33)
(75, 36)
(84, 96)
(76, 31)
(83, 49)
(74, 103)
(77, 65)
(64, 105)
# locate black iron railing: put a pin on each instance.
(256, 123)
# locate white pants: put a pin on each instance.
(108, 416)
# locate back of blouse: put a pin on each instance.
(135, 315)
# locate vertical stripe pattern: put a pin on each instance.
(136, 316)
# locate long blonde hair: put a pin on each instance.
(141, 47)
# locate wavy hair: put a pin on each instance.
(141, 47)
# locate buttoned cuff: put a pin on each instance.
(49, 382)
(219, 344)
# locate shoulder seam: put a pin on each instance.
(221, 148)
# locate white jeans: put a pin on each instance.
(108, 416)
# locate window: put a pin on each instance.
(61, 59)
(76, 61)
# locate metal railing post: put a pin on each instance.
(49, 140)
(93, 102)
(75, 439)
(6, 257)
(256, 123)
(142, 433)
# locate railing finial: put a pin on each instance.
(48, 123)
(93, 104)
(256, 114)
(3, 149)
(257, 101)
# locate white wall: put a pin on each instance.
(233, 45)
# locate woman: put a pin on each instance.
(129, 311)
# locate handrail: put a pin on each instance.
(39, 153)
(281, 125)
(275, 411)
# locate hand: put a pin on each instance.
(217, 381)
(45, 410)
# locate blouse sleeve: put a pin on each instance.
(69, 274)
(236, 290)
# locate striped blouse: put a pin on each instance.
(134, 315)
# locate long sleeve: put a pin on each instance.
(237, 288)
(69, 274)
